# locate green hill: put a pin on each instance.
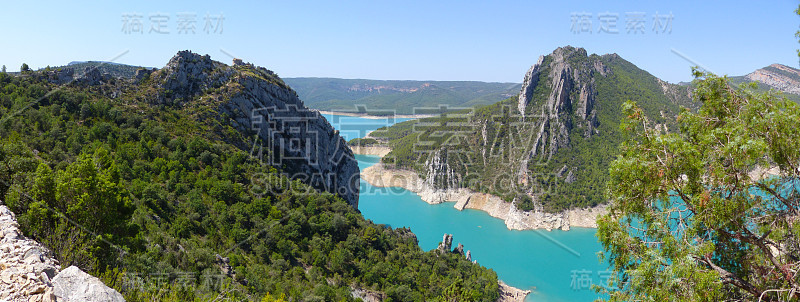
(114, 69)
(547, 147)
(381, 97)
(153, 185)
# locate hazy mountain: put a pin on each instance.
(381, 97)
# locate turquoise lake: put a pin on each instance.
(554, 265)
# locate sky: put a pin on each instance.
(492, 41)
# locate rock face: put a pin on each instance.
(780, 77)
(72, 284)
(29, 273)
(528, 85)
(60, 76)
(555, 117)
(511, 294)
(446, 244)
(296, 140)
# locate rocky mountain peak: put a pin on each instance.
(255, 101)
(568, 74)
(188, 74)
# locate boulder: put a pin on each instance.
(72, 284)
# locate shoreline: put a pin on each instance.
(375, 117)
(509, 293)
(379, 151)
(379, 176)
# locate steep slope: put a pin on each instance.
(547, 148)
(780, 77)
(386, 97)
(257, 102)
(156, 185)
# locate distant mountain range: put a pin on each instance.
(382, 97)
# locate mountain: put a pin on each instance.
(401, 97)
(204, 181)
(547, 148)
(115, 70)
(776, 76)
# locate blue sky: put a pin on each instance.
(405, 40)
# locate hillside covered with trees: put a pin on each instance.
(155, 191)
(550, 146)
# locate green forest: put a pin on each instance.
(129, 191)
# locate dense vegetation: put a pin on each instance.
(690, 219)
(363, 142)
(377, 97)
(113, 69)
(153, 197)
(486, 147)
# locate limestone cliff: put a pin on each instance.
(778, 76)
(255, 101)
(546, 149)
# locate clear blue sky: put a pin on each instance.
(412, 40)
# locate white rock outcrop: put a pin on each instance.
(29, 274)
(379, 176)
(72, 284)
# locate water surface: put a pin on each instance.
(554, 265)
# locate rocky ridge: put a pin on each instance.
(28, 273)
(778, 76)
(297, 140)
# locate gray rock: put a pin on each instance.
(459, 249)
(446, 244)
(72, 284)
(92, 76)
(528, 85)
(141, 73)
(60, 75)
(298, 141)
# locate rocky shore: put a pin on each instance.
(509, 293)
(380, 176)
(29, 274)
(371, 150)
(376, 117)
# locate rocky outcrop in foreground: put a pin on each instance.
(29, 274)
